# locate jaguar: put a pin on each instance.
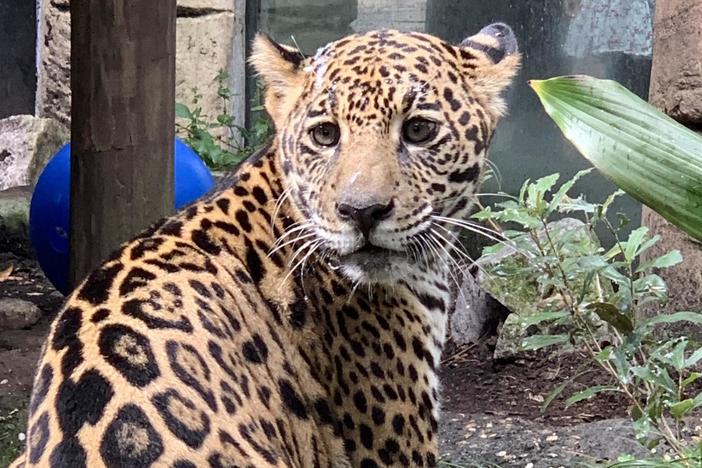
(296, 316)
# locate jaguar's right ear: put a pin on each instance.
(280, 69)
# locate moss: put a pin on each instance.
(14, 212)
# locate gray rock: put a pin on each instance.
(493, 440)
(26, 144)
(476, 313)
(17, 313)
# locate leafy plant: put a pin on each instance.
(646, 153)
(590, 299)
(221, 143)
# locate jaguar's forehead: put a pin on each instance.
(387, 46)
(397, 65)
(382, 54)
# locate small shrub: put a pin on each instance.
(221, 143)
(591, 297)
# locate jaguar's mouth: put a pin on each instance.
(371, 249)
(372, 257)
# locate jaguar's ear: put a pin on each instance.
(492, 58)
(280, 69)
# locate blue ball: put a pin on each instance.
(49, 210)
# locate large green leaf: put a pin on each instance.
(643, 151)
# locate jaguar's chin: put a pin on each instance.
(375, 265)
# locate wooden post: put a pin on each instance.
(122, 123)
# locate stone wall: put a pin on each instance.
(676, 75)
(209, 37)
(676, 88)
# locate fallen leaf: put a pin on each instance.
(6, 273)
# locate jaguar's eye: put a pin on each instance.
(325, 134)
(417, 130)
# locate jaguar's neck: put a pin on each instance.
(374, 349)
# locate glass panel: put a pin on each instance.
(604, 38)
(18, 30)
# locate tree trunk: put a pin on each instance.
(122, 114)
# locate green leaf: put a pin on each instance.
(526, 321)
(693, 317)
(589, 393)
(610, 199)
(591, 263)
(553, 394)
(694, 358)
(563, 190)
(634, 242)
(537, 191)
(691, 378)
(610, 314)
(668, 260)
(677, 357)
(647, 244)
(182, 111)
(532, 343)
(604, 355)
(681, 408)
(651, 284)
(646, 153)
(662, 378)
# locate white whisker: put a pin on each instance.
(291, 241)
(278, 204)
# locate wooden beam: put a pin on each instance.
(122, 123)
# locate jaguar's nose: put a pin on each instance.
(365, 218)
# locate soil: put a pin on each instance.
(474, 383)
(491, 410)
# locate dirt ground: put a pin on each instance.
(491, 410)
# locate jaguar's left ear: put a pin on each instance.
(280, 69)
(491, 58)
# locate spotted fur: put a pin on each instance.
(260, 327)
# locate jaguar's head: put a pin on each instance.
(382, 138)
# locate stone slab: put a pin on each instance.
(205, 6)
(203, 48)
(54, 62)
